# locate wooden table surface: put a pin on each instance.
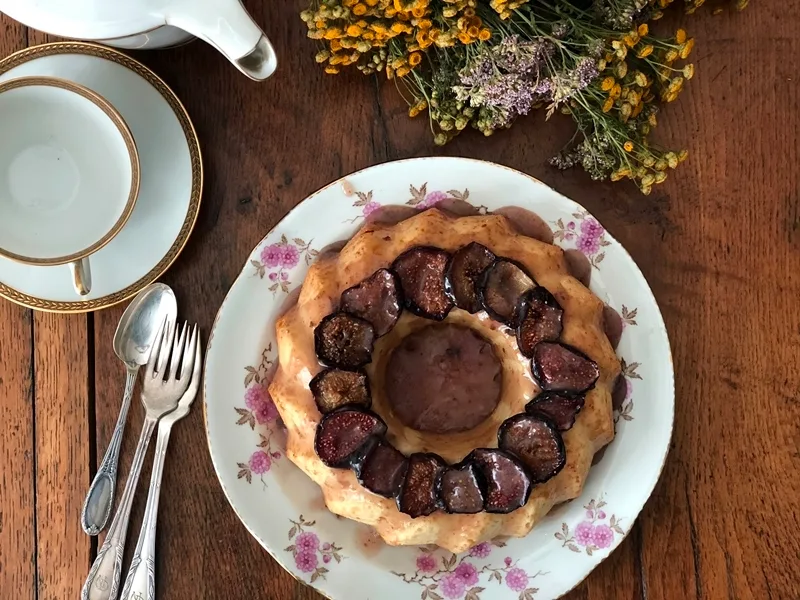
(719, 244)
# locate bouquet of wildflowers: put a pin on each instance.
(483, 63)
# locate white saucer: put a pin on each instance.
(171, 179)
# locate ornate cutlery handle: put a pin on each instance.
(100, 499)
(140, 584)
(103, 580)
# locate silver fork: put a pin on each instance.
(162, 388)
(140, 581)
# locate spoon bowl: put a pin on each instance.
(137, 329)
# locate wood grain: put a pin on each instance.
(719, 244)
(61, 372)
(17, 452)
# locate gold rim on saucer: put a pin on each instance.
(130, 144)
(89, 49)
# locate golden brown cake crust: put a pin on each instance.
(376, 246)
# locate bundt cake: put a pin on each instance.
(445, 379)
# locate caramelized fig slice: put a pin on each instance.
(382, 468)
(418, 495)
(344, 341)
(464, 274)
(508, 485)
(343, 433)
(425, 290)
(377, 299)
(333, 388)
(501, 289)
(460, 490)
(540, 319)
(557, 367)
(560, 408)
(536, 442)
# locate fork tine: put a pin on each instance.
(166, 347)
(189, 354)
(156, 349)
(178, 351)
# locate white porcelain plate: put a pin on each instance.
(284, 510)
(170, 187)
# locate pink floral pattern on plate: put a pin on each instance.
(309, 552)
(367, 205)
(421, 198)
(276, 262)
(595, 532)
(443, 575)
(628, 373)
(587, 235)
(261, 415)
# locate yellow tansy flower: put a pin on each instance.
(680, 36)
(686, 49)
(607, 84)
(608, 104)
(415, 59)
(628, 146)
(359, 9)
(331, 70)
(688, 71)
(485, 35)
(643, 30)
(354, 31)
(645, 51)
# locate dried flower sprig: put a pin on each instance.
(485, 63)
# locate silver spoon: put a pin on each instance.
(136, 333)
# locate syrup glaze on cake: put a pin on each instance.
(465, 461)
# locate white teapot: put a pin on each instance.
(136, 24)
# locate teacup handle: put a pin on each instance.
(81, 276)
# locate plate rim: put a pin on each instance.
(343, 179)
(198, 178)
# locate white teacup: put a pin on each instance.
(69, 174)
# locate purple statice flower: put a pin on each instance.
(585, 72)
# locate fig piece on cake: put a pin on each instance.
(418, 495)
(377, 299)
(343, 434)
(536, 442)
(502, 287)
(507, 483)
(464, 273)
(560, 408)
(460, 489)
(334, 388)
(540, 317)
(560, 368)
(426, 292)
(344, 341)
(382, 468)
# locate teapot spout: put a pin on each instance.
(226, 25)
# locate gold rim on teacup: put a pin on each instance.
(118, 121)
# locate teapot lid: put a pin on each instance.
(88, 19)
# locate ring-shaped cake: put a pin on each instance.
(445, 379)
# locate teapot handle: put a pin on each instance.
(226, 25)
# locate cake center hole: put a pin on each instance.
(443, 379)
